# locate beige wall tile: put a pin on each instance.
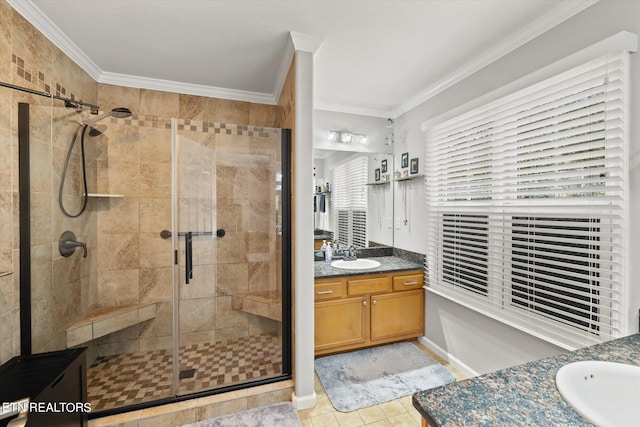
(155, 179)
(6, 13)
(155, 251)
(119, 216)
(118, 252)
(222, 408)
(32, 46)
(114, 323)
(5, 154)
(155, 284)
(40, 218)
(236, 112)
(233, 247)
(118, 288)
(111, 96)
(232, 278)
(155, 214)
(79, 335)
(202, 285)
(65, 269)
(119, 178)
(161, 326)
(227, 317)
(264, 115)
(194, 107)
(157, 103)
(197, 315)
(154, 145)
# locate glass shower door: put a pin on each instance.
(228, 247)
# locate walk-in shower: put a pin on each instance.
(185, 287)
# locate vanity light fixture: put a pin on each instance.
(347, 137)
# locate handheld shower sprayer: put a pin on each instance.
(94, 130)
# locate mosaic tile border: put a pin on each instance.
(36, 77)
(225, 128)
(141, 120)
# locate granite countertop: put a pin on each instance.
(521, 395)
(387, 264)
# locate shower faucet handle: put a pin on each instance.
(68, 244)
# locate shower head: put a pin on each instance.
(97, 130)
(118, 113)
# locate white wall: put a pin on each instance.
(473, 340)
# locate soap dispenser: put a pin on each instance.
(323, 248)
(328, 253)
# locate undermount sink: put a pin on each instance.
(605, 393)
(356, 264)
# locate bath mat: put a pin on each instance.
(279, 414)
(376, 375)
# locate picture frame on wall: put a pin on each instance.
(378, 174)
(404, 162)
(383, 166)
(414, 166)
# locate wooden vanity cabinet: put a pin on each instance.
(354, 312)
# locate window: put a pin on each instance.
(349, 202)
(527, 202)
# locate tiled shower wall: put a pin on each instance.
(70, 285)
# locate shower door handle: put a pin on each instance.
(188, 252)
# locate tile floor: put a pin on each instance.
(399, 412)
(139, 377)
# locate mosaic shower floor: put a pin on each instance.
(140, 377)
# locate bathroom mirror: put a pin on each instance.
(353, 198)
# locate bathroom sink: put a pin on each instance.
(605, 393)
(356, 264)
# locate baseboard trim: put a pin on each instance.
(455, 362)
(304, 402)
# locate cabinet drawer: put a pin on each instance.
(368, 286)
(328, 290)
(409, 281)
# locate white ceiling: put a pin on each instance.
(376, 58)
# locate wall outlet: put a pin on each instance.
(389, 222)
(397, 223)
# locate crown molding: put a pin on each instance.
(285, 64)
(186, 88)
(350, 109)
(305, 42)
(34, 15)
(559, 14)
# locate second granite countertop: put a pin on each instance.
(387, 264)
(521, 395)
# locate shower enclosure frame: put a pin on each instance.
(26, 277)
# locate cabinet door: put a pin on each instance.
(340, 323)
(397, 315)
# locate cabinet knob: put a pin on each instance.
(375, 302)
(364, 303)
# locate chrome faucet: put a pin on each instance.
(351, 253)
(68, 244)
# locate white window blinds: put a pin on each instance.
(349, 202)
(527, 202)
